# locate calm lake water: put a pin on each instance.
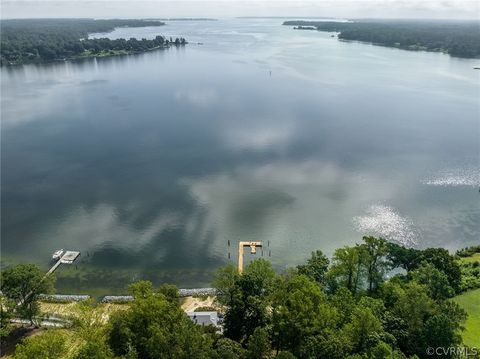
(149, 164)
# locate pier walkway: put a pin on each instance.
(67, 258)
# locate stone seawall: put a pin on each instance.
(122, 298)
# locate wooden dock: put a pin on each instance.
(54, 267)
(67, 258)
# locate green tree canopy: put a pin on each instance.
(300, 309)
(258, 346)
(246, 296)
(347, 268)
(229, 349)
(95, 349)
(7, 307)
(48, 345)
(363, 329)
(375, 251)
(89, 327)
(22, 284)
(156, 327)
(316, 266)
(436, 281)
(444, 262)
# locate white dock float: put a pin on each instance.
(67, 258)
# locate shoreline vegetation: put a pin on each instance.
(351, 306)
(29, 41)
(300, 27)
(184, 19)
(456, 38)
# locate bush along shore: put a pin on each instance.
(50, 40)
(351, 306)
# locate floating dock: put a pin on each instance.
(68, 257)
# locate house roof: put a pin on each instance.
(204, 318)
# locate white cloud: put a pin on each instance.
(255, 135)
(219, 8)
(197, 97)
(297, 206)
(88, 228)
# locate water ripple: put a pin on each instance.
(383, 221)
(454, 177)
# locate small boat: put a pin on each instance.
(58, 254)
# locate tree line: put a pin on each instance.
(343, 308)
(457, 38)
(46, 40)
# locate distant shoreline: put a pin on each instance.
(104, 54)
(86, 56)
(457, 39)
(37, 41)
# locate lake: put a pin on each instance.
(149, 164)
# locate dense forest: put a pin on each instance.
(349, 307)
(457, 38)
(46, 40)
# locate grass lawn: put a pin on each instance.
(66, 310)
(470, 301)
(473, 258)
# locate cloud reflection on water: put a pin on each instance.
(152, 162)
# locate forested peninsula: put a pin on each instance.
(47, 40)
(456, 38)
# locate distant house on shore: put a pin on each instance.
(206, 318)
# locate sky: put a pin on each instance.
(438, 9)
